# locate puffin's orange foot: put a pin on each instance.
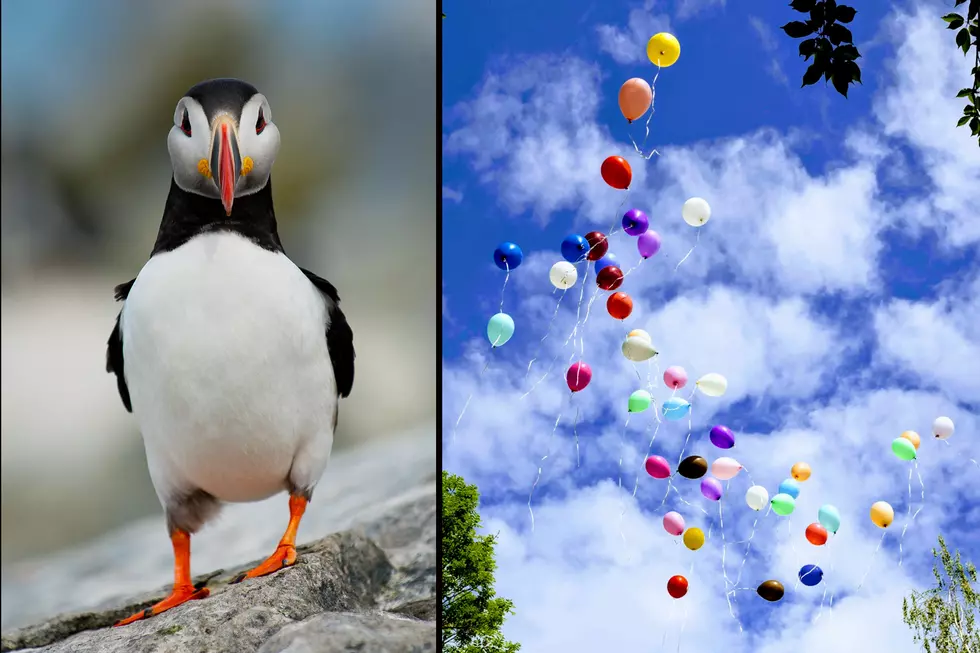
(179, 595)
(285, 556)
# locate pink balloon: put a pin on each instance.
(674, 523)
(657, 467)
(675, 377)
(725, 468)
(578, 376)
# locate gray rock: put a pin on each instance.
(335, 633)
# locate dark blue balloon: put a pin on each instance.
(508, 256)
(606, 261)
(811, 575)
(574, 248)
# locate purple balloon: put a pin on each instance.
(711, 488)
(648, 243)
(635, 222)
(722, 437)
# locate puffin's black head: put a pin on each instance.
(223, 141)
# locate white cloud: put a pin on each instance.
(690, 8)
(767, 39)
(452, 195)
(629, 45)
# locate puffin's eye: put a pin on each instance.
(185, 123)
(260, 123)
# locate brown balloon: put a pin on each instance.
(598, 245)
(609, 278)
(693, 467)
(771, 590)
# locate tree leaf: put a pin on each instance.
(808, 48)
(845, 14)
(813, 73)
(840, 83)
(964, 92)
(975, 126)
(963, 40)
(802, 6)
(846, 52)
(956, 23)
(949, 18)
(817, 13)
(853, 71)
(797, 29)
(838, 34)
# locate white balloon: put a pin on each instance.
(696, 212)
(563, 275)
(712, 384)
(638, 350)
(943, 428)
(757, 497)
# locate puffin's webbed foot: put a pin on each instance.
(285, 555)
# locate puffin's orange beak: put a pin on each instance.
(226, 160)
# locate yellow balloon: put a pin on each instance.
(912, 437)
(663, 49)
(800, 471)
(694, 538)
(639, 333)
(882, 514)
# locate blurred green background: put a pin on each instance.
(89, 90)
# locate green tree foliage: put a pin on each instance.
(968, 36)
(471, 614)
(944, 617)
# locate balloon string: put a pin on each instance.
(541, 467)
(622, 498)
(697, 239)
(546, 334)
(833, 562)
(636, 484)
(724, 558)
(578, 457)
(646, 136)
(910, 520)
(504, 287)
(468, 399)
(870, 563)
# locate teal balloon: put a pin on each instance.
(783, 504)
(903, 449)
(790, 487)
(829, 518)
(640, 401)
(676, 408)
(500, 329)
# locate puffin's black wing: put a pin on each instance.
(114, 351)
(340, 339)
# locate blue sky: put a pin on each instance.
(837, 287)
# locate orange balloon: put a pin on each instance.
(816, 534)
(617, 172)
(635, 97)
(619, 305)
(912, 437)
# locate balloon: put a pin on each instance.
(578, 376)
(943, 428)
(606, 261)
(635, 97)
(635, 222)
(912, 437)
(619, 305)
(508, 256)
(663, 49)
(598, 245)
(711, 488)
(722, 437)
(694, 538)
(882, 514)
(677, 586)
(676, 408)
(648, 243)
(783, 504)
(757, 497)
(617, 172)
(563, 275)
(675, 377)
(674, 523)
(574, 248)
(637, 349)
(639, 333)
(829, 518)
(713, 384)
(725, 469)
(609, 278)
(811, 575)
(658, 467)
(640, 401)
(693, 467)
(816, 534)
(790, 487)
(903, 448)
(771, 590)
(696, 212)
(800, 471)
(500, 328)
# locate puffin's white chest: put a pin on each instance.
(227, 366)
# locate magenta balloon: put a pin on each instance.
(658, 467)
(673, 523)
(648, 243)
(578, 376)
(711, 488)
(675, 377)
(722, 437)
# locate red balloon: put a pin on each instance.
(609, 278)
(598, 245)
(619, 305)
(617, 172)
(816, 534)
(677, 586)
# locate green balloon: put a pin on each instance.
(500, 328)
(640, 401)
(783, 504)
(903, 449)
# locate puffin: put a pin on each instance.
(231, 357)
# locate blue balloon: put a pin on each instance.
(606, 261)
(676, 408)
(811, 575)
(508, 256)
(574, 248)
(790, 487)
